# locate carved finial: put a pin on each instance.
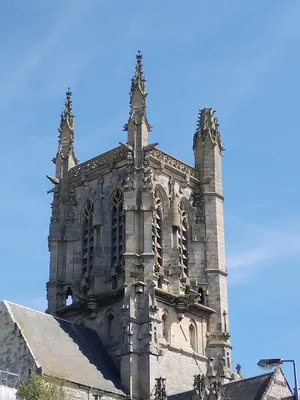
(138, 81)
(200, 385)
(67, 117)
(207, 127)
(239, 370)
(160, 389)
(66, 131)
(215, 388)
(138, 94)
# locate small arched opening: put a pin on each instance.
(109, 324)
(69, 296)
(193, 335)
(201, 298)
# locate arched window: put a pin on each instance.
(201, 298)
(117, 230)
(228, 360)
(88, 237)
(69, 296)
(182, 235)
(193, 335)
(157, 232)
(166, 326)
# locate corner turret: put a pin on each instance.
(208, 150)
(65, 158)
(138, 126)
(63, 218)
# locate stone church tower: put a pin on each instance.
(137, 251)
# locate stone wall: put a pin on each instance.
(15, 356)
(179, 361)
(73, 391)
(278, 388)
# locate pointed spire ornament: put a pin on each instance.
(67, 117)
(160, 389)
(200, 386)
(138, 94)
(207, 127)
(66, 131)
(138, 81)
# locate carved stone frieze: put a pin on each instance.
(104, 159)
(129, 184)
(55, 206)
(71, 206)
(173, 162)
(148, 174)
(198, 203)
(88, 193)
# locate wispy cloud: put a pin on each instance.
(259, 246)
(14, 83)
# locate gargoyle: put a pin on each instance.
(53, 179)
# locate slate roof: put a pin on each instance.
(248, 389)
(67, 351)
(244, 389)
(182, 396)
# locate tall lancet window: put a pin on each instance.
(182, 237)
(88, 237)
(117, 230)
(157, 232)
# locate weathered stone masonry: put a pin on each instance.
(137, 247)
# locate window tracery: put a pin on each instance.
(157, 240)
(117, 229)
(88, 237)
(182, 239)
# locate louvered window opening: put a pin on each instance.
(182, 240)
(157, 233)
(118, 230)
(88, 238)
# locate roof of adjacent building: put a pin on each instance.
(65, 350)
(248, 389)
(245, 389)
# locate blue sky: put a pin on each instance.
(240, 57)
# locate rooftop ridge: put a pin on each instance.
(251, 378)
(7, 302)
(79, 343)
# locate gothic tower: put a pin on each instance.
(137, 251)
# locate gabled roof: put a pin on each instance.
(64, 350)
(248, 389)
